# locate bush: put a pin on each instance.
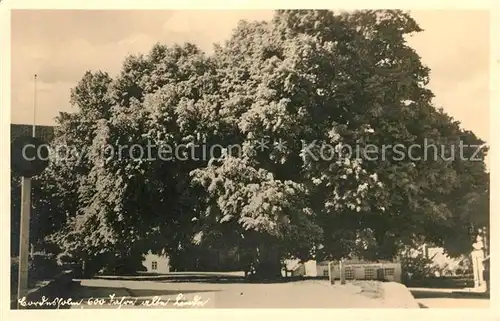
(65, 259)
(123, 266)
(41, 267)
(465, 265)
(109, 263)
(44, 266)
(14, 272)
(417, 267)
(14, 269)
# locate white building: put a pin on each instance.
(354, 269)
(156, 263)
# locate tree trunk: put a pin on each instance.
(268, 266)
(268, 270)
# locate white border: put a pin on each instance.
(243, 314)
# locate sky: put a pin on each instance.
(59, 46)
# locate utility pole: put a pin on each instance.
(22, 284)
(34, 105)
(32, 246)
(24, 235)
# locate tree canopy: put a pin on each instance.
(292, 94)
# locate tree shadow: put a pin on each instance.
(181, 277)
(190, 277)
(233, 280)
(157, 292)
(441, 283)
(84, 293)
(425, 294)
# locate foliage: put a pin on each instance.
(41, 267)
(41, 224)
(306, 79)
(417, 267)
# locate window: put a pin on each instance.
(325, 273)
(349, 273)
(154, 265)
(370, 274)
(389, 271)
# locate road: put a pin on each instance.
(215, 290)
(447, 298)
(228, 293)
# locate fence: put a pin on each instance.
(365, 271)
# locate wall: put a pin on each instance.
(311, 268)
(162, 262)
(322, 269)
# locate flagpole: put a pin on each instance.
(34, 105)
